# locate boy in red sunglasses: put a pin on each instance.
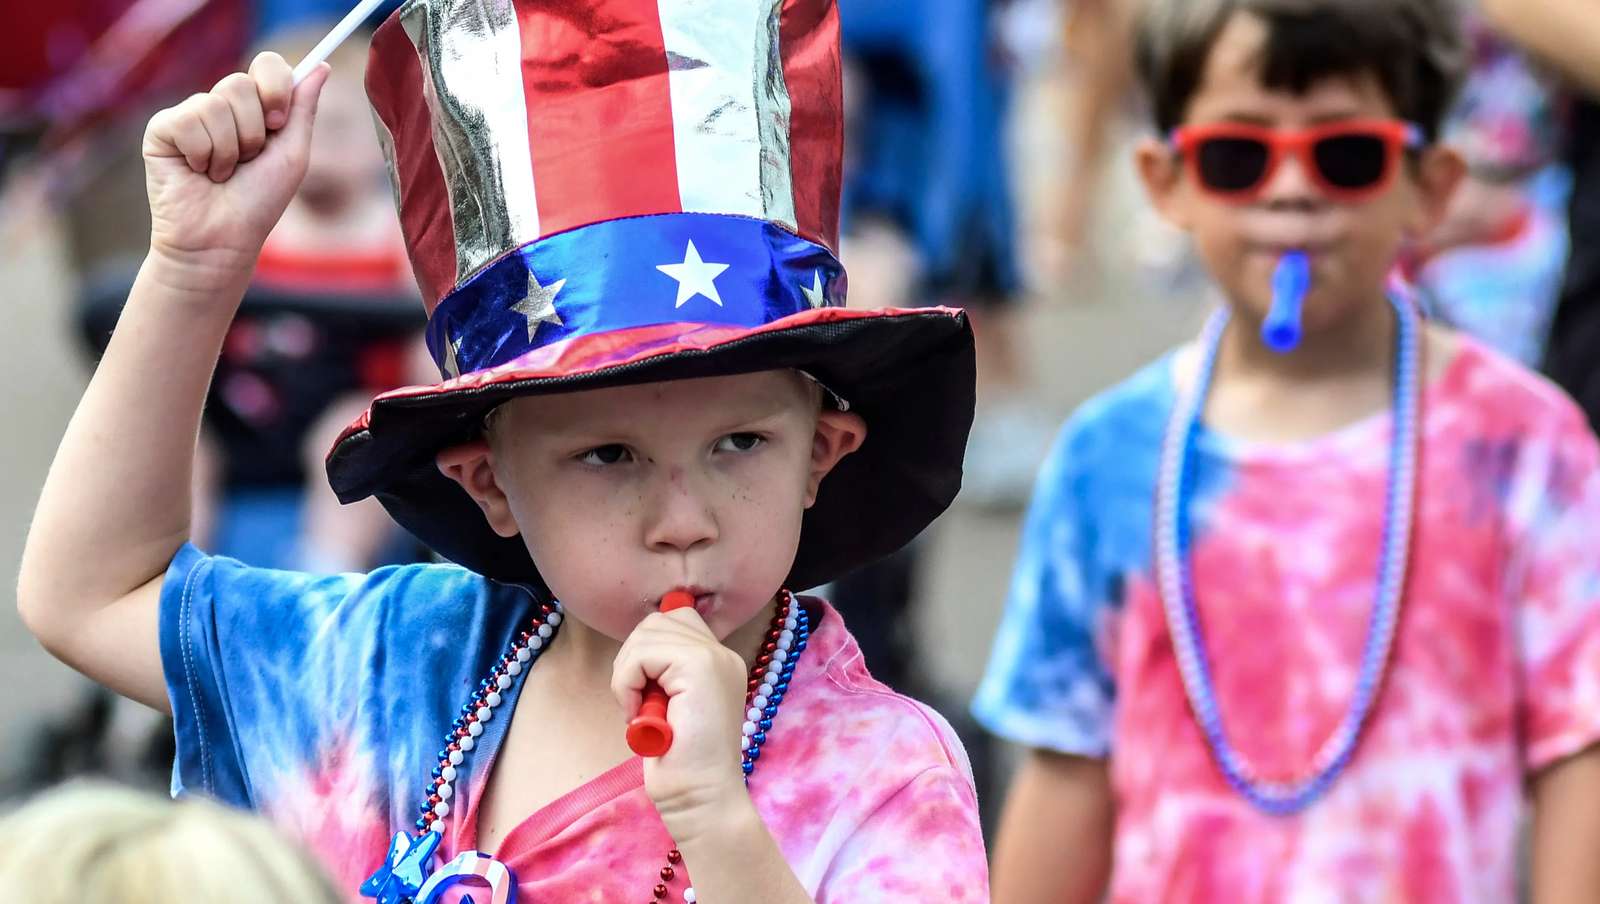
(1317, 621)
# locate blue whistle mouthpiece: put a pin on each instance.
(1290, 283)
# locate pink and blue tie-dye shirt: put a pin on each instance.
(323, 703)
(1495, 673)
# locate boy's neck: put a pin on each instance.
(1338, 375)
(1357, 347)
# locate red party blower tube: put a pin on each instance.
(649, 734)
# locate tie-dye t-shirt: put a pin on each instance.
(1495, 672)
(323, 703)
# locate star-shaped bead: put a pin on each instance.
(694, 276)
(814, 293)
(404, 870)
(539, 305)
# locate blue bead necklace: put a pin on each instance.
(407, 875)
(1175, 577)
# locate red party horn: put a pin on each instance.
(649, 734)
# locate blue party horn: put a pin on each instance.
(1290, 283)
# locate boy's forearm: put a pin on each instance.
(1055, 838)
(115, 506)
(735, 858)
(1565, 828)
(1098, 37)
(1563, 33)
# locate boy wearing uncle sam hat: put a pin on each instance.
(622, 217)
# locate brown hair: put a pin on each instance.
(1415, 48)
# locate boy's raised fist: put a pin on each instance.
(220, 167)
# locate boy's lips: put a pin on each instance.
(1273, 232)
(1277, 249)
(703, 596)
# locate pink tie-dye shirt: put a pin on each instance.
(323, 702)
(1494, 676)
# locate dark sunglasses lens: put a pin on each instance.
(1352, 161)
(1231, 164)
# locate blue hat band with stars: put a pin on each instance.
(686, 268)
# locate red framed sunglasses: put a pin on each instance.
(1351, 160)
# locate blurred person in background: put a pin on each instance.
(929, 219)
(1565, 34)
(1095, 39)
(272, 16)
(103, 844)
(1493, 268)
(77, 81)
(332, 277)
(929, 86)
(1101, 107)
(1314, 621)
(330, 319)
(78, 78)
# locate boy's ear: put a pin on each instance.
(472, 466)
(1438, 174)
(838, 434)
(1161, 171)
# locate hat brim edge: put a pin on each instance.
(910, 373)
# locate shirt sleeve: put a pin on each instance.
(1048, 684)
(1557, 597)
(237, 649)
(267, 670)
(924, 843)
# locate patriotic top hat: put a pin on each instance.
(604, 192)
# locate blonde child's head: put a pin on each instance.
(100, 844)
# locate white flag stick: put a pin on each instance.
(327, 45)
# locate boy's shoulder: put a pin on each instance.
(863, 714)
(393, 597)
(1505, 396)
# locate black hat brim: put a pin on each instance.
(909, 373)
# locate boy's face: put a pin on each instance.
(1352, 243)
(624, 494)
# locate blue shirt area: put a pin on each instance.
(323, 703)
(280, 680)
(1088, 531)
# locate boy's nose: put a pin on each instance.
(680, 518)
(1291, 183)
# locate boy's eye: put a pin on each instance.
(606, 455)
(739, 442)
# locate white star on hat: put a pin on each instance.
(814, 292)
(694, 276)
(539, 305)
